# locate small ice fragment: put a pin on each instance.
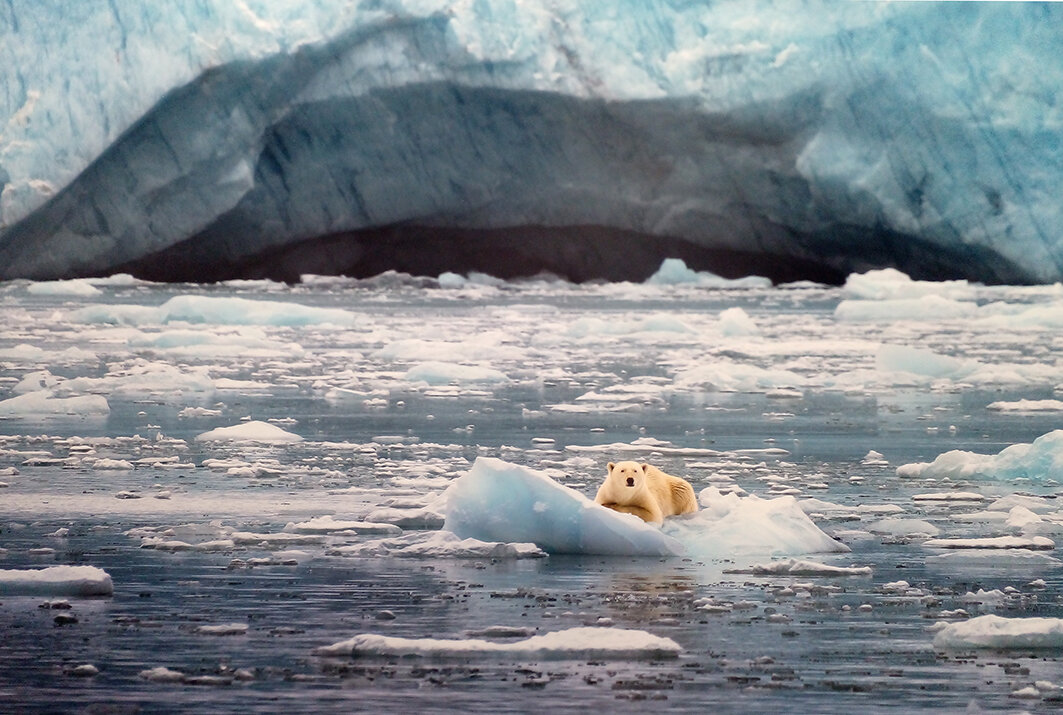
(225, 629)
(162, 675)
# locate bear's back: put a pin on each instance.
(674, 494)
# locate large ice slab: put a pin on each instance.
(283, 138)
(56, 581)
(43, 403)
(998, 632)
(199, 309)
(573, 643)
(499, 501)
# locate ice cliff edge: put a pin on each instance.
(216, 139)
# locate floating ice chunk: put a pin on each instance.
(645, 445)
(499, 501)
(735, 322)
(996, 597)
(587, 643)
(889, 283)
(78, 288)
(1034, 504)
(998, 632)
(31, 354)
(45, 403)
(56, 581)
(224, 629)
(929, 365)
(674, 271)
(795, 567)
(119, 280)
(904, 527)
(451, 281)
(198, 412)
(241, 311)
(440, 544)
(162, 675)
(1022, 519)
(728, 525)
(818, 505)
(116, 464)
(217, 311)
(254, 431)
(584, 327)
(1027, 406)
(329, 525)
(948, 496)
(445, 373)
(251, 341)
(1040, 543)
(161, 379)
(426, 517)
(173, 545)
(917, 361)
(928, 308)
(1011, 316)
(276, 540)
(24, 353)
(875, 459)
(727, 376)
(966, 560)
(484, 346)
(36, 382)
(1041, 459)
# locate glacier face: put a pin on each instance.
(216, 139)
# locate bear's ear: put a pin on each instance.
(645, 466)
(611, 465)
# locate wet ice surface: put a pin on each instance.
(235, 562)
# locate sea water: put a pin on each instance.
(390, 389)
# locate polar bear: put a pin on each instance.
(646, 492)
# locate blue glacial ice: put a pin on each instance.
(1040, 460)
(791, 140)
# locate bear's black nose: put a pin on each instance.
(631, 481)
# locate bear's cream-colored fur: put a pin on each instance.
(646, 492)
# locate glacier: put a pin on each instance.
(217, 139)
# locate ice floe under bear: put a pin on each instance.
(503, 502)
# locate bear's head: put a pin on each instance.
(628, 476)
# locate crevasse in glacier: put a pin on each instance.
(218, 139)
